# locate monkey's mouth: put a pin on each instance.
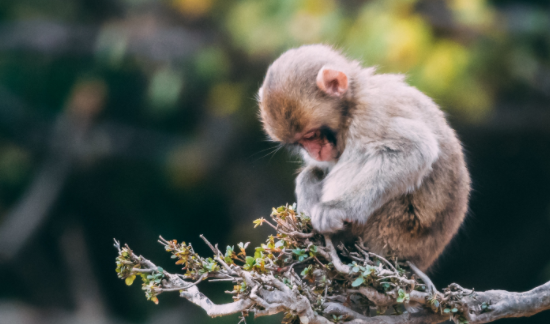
(321, 153)
(319, 149)
(319, 143)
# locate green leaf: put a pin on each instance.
(446, 311)
(229, 251)
(258, 222)
(369, 270)
(402, 296)
(250, 260)
(298, 251)
(357, 282)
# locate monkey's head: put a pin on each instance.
(305, 99)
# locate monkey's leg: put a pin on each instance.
(429, 284)
(309, 188)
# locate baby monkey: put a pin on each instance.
(381, 162)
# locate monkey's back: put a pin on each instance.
(418, 225)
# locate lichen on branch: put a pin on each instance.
(300, 273)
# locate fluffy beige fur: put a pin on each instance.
(399, 178)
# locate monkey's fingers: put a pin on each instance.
(327, 220)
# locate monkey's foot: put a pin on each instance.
(430, 287)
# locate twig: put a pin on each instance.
(215, 250)
(143, 270)
(269, 223)
(338, 265)
(383, 259)
(227, 279)
(297, 234)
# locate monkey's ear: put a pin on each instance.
(333, 82)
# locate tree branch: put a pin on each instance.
(504, 304)
(317, 287)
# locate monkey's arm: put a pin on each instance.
(368, 176)
(309, 188)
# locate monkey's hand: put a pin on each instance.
(309, 188)
(327, 219)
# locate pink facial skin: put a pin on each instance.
(317, 146)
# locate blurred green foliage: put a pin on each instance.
(443, 61)
(171, 143)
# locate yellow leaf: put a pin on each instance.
(258, 222)
(130, 280)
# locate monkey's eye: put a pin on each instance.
(312, 135)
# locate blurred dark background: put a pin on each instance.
(130, 119)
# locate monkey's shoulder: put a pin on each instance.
(386, 98)
(387, 90)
